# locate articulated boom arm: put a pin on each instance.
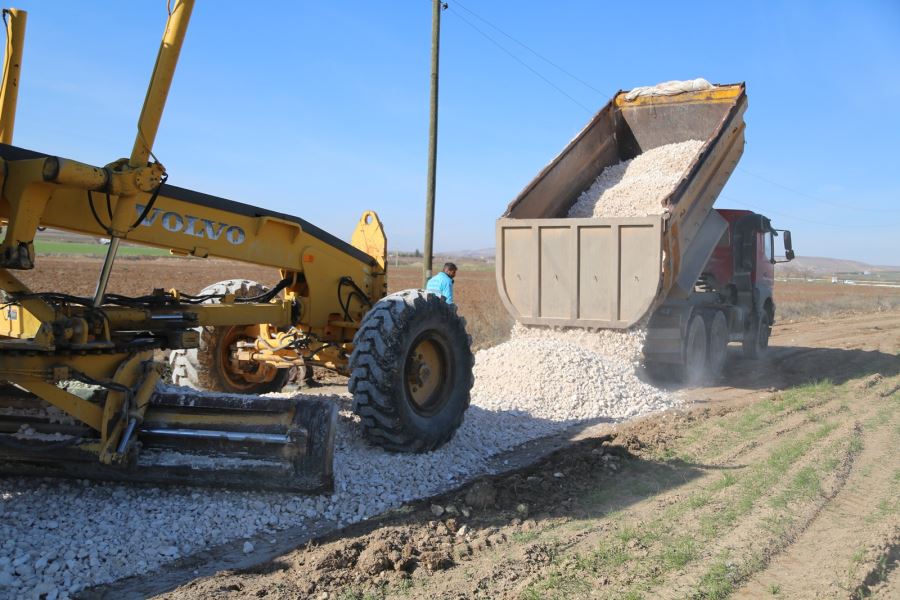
(52, 192)
(329, 284)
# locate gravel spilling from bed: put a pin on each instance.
(57, 537)
(576, 375)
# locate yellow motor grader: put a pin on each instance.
(81, 376)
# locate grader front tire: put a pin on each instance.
(411, 372)
(208, 367)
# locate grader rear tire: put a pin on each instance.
(207, 367)
(411, 372)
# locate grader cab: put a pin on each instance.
(83, 395)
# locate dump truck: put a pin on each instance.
(81, 392)
(698, 277)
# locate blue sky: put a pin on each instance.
(320, 109)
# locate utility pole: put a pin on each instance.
(438, 6)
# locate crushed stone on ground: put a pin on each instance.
(637, 187)
(58, 537)
(566, 376)
(28, 433)
(614, 344)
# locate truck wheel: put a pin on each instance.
(717, 344)
(210, 367)
(694, 367)
(756, 337)
(411, 371)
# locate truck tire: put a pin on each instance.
(206, 367)
(411, 372)
(717, 343)
(756, 336)
(694, 366)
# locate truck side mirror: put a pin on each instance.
(788, 247)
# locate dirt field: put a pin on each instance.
(488, 321)
(784, 483)
(476, 291)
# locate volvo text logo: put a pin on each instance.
(188, 225)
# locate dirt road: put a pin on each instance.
(771, 486)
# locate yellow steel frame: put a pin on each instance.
(9, 87)
(43, 344)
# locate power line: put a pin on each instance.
(530, 49)
(590, 111)
(811, 197)
(801, 219)
(519, 60)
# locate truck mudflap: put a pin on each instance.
(664, 343)
(603, 273)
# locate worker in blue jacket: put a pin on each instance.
(442, 283)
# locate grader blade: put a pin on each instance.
(187, 438)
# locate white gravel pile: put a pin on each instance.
(569, 383)
(637, 187)
(613, 344)
(567, 376)
(58, 537)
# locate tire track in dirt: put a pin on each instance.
(848, 525)
(790, 419)
(750, 541)
(581, 545)
(744, 533)
(746, 536)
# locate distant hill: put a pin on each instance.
(482, 254)
(818, 265)
(826, 266)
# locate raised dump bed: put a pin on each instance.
(610, 272)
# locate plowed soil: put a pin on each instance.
(137, 276)
(783, 482)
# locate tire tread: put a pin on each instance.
(374, 371)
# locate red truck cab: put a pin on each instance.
(741, 269)
(731, 302)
